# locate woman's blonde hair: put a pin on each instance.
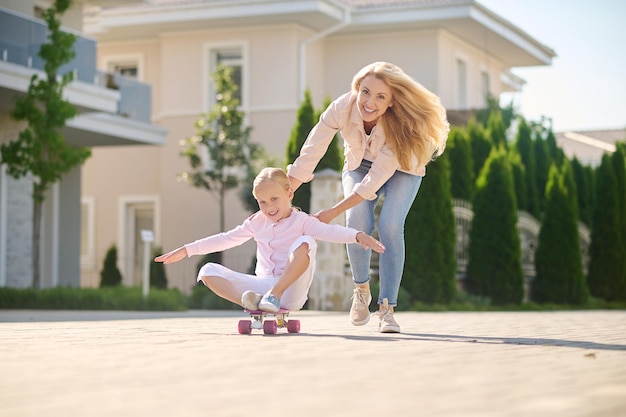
(416, 124)
(271, 174)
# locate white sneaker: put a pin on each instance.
(250, 300)
(387, 323)
(360, 309)
(269, 303)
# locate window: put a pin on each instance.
(127, 70)
(230, 57)
(461, 83)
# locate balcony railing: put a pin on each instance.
(21, 38)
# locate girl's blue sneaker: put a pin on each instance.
(269, 303)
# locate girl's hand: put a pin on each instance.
(173, 256)
(368, 242)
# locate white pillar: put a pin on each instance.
(331, 288)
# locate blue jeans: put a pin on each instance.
(399, 193)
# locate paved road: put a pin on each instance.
(195, 363)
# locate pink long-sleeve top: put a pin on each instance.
(343, 115)
(273, 239)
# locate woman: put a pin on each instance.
(391, 127)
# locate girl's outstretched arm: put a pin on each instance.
(173, 256)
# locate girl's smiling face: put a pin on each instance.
(374, 98)
(274, 200)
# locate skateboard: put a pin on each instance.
(259, 320)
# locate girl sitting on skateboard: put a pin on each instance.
(286, 249)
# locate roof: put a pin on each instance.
(466, 19)
(588, 146)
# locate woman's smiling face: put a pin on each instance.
(374, 98)
(274, 201)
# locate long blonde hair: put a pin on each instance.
(271, 174)
(416, 124)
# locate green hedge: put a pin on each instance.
(112, 298)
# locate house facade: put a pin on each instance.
(117, 117)
(279, 48)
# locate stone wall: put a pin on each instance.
(16, 217)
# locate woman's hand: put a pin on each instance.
(326, 216)
(173, 256)
(368, 242)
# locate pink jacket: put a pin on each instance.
(343, 115)
(273, 239)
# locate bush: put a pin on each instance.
(158, 277)
(111, 298)
(203, 298)
(110, 275)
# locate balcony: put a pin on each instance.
(102, 99)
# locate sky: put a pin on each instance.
(585, 86)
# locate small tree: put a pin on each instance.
(496, 130)
(583, 175)
(220, 153)
(430, 266)
(41, 150)
(481, 146)
(494, 268)
(459, 152)
(305, 120)
(558, 260)
(524, 147)
(110, 276)
(605, 252)
(158, 276)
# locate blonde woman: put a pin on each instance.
(286, 249)
(392, 128)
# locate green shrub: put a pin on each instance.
(158, 276)
(110, 298)
(203, 298)
(110, 275)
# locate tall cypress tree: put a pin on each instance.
(481, 146)
(304, 123)
(333, 158)
(524, 147)
(519, 179)
(605, 253)
(558, 260)
(430, 266)
(494, 269)
(619, 167)
(496, 130)
(583, 175)
(542, 168)
(459, 151)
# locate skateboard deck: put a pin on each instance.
(268, 322)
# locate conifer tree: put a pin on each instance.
(306, 119)
(158, 276)
(558, 260)
(480, 143)
(543, 161)
(524, 147)
(496, 130)
(519, 179)
(605, 253)
(494, 268)
(459, 152)
(583, 175)
(110, 276)
(619, 167)
(304, 123)
(430, 265)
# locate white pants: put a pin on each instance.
(293, 298)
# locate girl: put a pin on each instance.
(286, 249)
(391, 127)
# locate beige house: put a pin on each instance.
(457, 48)
(107, 117)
